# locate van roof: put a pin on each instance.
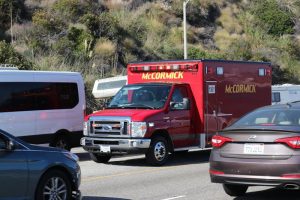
(115, 78)
(37, 72)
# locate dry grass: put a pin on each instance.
(105, 48)
(116, 4)
(223, 39)
(229, 20)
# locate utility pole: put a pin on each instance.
(184, 29)
(11, 23)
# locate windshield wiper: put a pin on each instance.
(143, 106)
(130, 106)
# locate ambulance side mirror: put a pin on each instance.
(186, 104)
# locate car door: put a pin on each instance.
(13, 171)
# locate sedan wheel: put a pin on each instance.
(54, 185)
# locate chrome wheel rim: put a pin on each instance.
(55, 189)
(159, 151)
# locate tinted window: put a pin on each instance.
(26, 96)
(278, 117)
(275, 97)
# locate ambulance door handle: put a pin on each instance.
(166, 118)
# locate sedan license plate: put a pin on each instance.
(104, 149)
(253, 148)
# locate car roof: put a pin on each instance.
(289, 105)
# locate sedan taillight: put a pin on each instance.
(293, 142)
(218, 141)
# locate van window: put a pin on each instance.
(27, 96)
(275, 96)
(111, 85)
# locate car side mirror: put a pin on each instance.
(186, 103)
(7, 145)
(10, 145)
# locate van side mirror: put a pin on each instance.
(186, 103)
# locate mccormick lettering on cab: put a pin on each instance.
(162, 75)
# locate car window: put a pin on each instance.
(278, 117)
(2, 143)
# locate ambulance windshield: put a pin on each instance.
(141, 97)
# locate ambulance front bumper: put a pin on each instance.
(115, 146)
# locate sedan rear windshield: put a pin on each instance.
(272, 117)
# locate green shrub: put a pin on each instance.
(92, 22)
(67, 9)
(108, 26)
(81, 39)
(9, 56)
(45, 20)
(274, 18)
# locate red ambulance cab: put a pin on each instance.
(170, 106)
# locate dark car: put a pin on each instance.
(260, 149)
(33, 172)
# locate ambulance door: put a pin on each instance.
(180, 131)
(211, 109)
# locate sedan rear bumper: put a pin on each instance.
(253, 180)
(255, 172)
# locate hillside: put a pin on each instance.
(98, 37)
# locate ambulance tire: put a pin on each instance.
(235, 190)
(100, 158)
(158, 151)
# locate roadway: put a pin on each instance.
(184, 177)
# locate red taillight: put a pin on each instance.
(215, 172)
(293, 142)
(218, 141)
(297, 176)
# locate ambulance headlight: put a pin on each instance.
(138, 129)
(85, 128)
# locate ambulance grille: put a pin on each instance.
(105, 128)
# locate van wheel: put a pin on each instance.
(62, 142)
(235, 190)
(100, 158)
(158, 151)
(54, 185)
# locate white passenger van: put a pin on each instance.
(285, 93)
(108, 87)
(43, 107)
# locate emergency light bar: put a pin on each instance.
(186, 67)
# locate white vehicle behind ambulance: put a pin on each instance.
(43, 107)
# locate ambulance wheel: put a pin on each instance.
(235, 190)
(158, 151)
(100, 158)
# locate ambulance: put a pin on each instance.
(178, 105)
